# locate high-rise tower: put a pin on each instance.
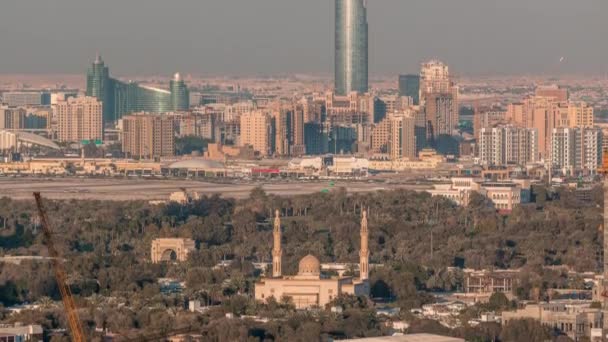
(277, 251)
(364, 252)
(180, 96)
(351, 47)
(439, 96)
(100, 86)
(123, 98)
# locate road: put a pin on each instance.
(153, 189)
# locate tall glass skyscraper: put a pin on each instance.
(122, 98)
(100, 86)
(409, 85)
(180, 96)
(351, 64)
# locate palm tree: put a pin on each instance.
(45, 302)
(96, 300)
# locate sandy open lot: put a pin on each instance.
(152, 189)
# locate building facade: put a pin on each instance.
(507, 145)
(504, 195)
(402, 137)
(180, 95)
(409, 85)
(26, 98)
(439, 97)
(256, 131)
(101, 87)
(123, 98)
(12, 117)
(440, 118)
(552, 91)
(576, 151)
(575, 319)
(79, 119)
(310, 288)
(351, 47)
(488, 282)
(147, 136)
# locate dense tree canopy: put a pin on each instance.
(107, 248)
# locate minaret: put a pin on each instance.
(364, 253)
(277, 252)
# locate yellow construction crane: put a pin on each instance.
(60, 275)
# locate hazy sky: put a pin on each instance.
(287, 36)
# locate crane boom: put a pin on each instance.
(60, 275)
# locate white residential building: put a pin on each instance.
(508, 145)
(576, 150)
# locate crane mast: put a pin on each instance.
(60, 275)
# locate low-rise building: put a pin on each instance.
(38, 167)
(505, 194)
(309, 288)
(18, 141)
(20, 333)
(349, 166)
(574, 318)
(485, 281)
(408, 338)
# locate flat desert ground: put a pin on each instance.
(156, 189)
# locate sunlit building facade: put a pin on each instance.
(79, 119)
(351, 47)
(180, 96)
(147, 136)
(123, 98)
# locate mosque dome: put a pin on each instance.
(309, 266)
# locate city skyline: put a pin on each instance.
(473, 36)
(318, 170)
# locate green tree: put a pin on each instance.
(498, 302)
(189, 144)
(531, 330)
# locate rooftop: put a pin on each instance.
(197, 164)
(410, 338)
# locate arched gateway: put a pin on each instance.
(171, 250)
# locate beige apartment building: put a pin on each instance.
(402, 137)
(147, 136)
(439, 94)
(580, 115)
(548, 110)
(289, 130)
(79, 119)
(352, 108)
(553, 91)
(12, 117)
(487, 118)
(380, 136)
(256, 131)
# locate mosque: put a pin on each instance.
(309, 288)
